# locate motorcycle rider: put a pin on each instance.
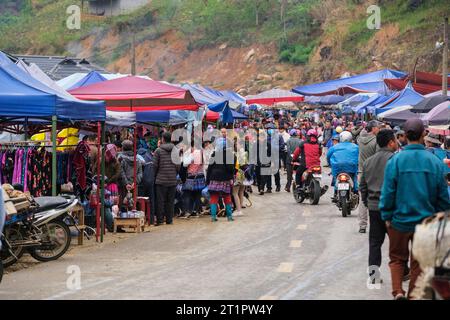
(308, 153)
(291, 146)
(343, 157)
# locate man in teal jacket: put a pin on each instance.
(414, 188)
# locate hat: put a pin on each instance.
(433, 138)
(399, 132)
(414, 125)
(335, 137)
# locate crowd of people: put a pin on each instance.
(402, 174)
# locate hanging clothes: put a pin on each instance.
(81, 163)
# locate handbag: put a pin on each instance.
(196, 183)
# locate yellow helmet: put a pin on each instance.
(339, 129)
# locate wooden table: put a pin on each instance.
(78, 214)
(137, 223)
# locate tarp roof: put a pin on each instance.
(273, 96)
(91, 78)
(373, 87)
(34, 71)
(422, 82)
(206, 95)
(214, 116)
(357, 99)
(326, 100)
(21, 95)
(438, 115)
(127, 119)
(400, 116)
(337, 86)
(407, 97)
(224, 109)
(69, 81)
(136, 94)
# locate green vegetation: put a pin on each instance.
(296, 54)
(42, 25)
(39, 26)
(407, 14)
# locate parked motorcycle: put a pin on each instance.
(312, 188)
(43, 231)
(346, 198)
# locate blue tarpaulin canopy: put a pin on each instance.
(374, 100)
(238, 115)
(326, 100)
(21, 95)
(374, 87)
(91, 78)
(407, 97)
(340, 86)
(224, 109)
(206, 95)
(356, 99)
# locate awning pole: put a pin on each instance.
(134, 168)
(103, 182)
(54, 171)
(98, 183)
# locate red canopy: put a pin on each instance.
(137, 94)
(212, 116)
(423, 82)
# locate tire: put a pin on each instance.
(345, 207)
(43, 255)
(315, 191)
(298, 198)
(7, 258)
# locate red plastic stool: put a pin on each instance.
(143, 204)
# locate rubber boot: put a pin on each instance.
(229, 212)
(213, 212)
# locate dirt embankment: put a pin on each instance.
(255, 68)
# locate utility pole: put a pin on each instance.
(133, 55)
(445, 59)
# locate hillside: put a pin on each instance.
(246, 45)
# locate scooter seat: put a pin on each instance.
(48, 203)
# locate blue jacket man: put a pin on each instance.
(414, 188)
(343, 157)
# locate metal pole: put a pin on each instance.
(54, 170)
(133, 55)
(135, 168)
(98, 182)
(445, 59)
(103, 182)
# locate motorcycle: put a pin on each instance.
(346, 199)
(311, 189)
(43, 230)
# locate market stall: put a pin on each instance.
(28, 105)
